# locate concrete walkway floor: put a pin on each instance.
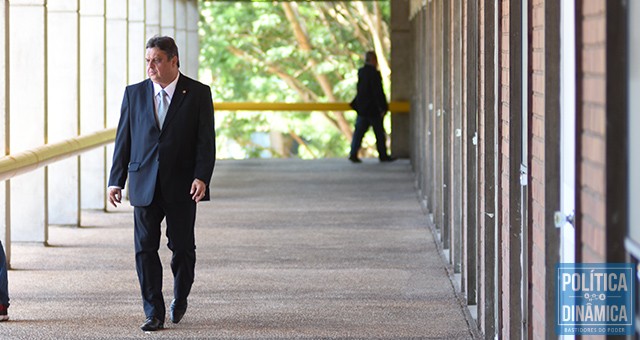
(286, 249)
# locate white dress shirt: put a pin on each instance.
(170, 90)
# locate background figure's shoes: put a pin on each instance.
(4, 314)
(177, 311)
(152, 324)
(355, 159)
(387, 159)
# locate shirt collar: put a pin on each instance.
(170, 89)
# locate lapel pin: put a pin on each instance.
(184, 91)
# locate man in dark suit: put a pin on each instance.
(165, 144)
(371, 105)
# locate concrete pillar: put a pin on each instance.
(429, 51)
(181, 31)
(28, 114)
(92, 100)
(438, 201)
(168, 18)
(5, 225)
(116, 66)
(456, 114)
(62, 108)
(191, 53)
(136, 38)
(488, 126)
(152, 18)
(401, 75)
(470, 151)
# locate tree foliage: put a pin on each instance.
(290, 52)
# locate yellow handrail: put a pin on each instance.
(29, 160)
(339, 106)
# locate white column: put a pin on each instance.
(137, 66)
(152, 18)
(192, 50)
(27, 116)
(62, 108)
(168, 18)
(92, 100)
(5, 225)
(117, 57)
(181, 31)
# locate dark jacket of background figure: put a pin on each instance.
(370, 100)
(172, 157)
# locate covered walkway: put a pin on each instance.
(286, 249)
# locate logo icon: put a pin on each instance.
(595, 299)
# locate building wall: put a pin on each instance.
(509, 243)
(602, 130)
(592, 130)
(536, 166)
(503, 172)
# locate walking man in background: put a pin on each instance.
(165, 145)
(371, 105)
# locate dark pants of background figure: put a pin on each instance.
(4, 284)
(362, 125)
(180, 233)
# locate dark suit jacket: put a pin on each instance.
(370, 100)
(174, 157)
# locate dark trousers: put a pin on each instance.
(362, 125)
(4, 282)
(180, 218)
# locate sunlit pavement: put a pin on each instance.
(285, 249)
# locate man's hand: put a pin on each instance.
(115, 196)
(198, 189)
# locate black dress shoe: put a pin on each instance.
(177, 311)
(355, 159)
(152, 324)
(387, 159)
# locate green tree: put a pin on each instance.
(291, 52)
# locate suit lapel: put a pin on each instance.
(176, 101)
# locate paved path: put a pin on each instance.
(286, 249)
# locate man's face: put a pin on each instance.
(160, 68)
